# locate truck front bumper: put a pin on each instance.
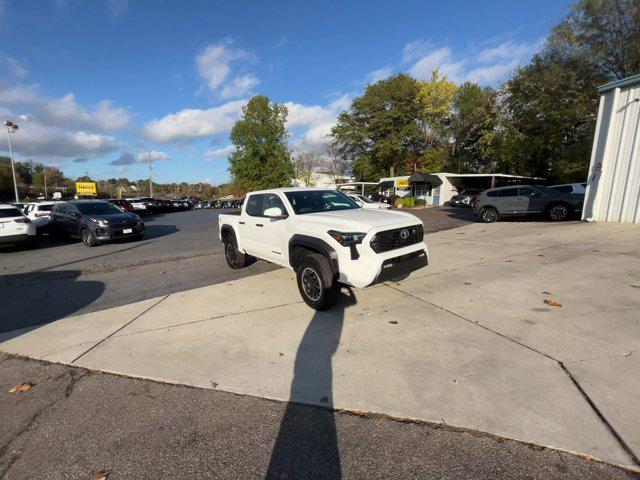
(400, 266)
(374, 268)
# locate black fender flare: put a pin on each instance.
(314, 244)
(227, 229)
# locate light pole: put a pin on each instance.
(150, 180)
(12, 128)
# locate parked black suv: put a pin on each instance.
(94, 221)
(496, 203)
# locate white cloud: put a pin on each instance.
(117, 7)
(311, 124)
(220, 152)
(65, 111)
(214, 66)
(194, 123)
(379, 74)
(12, 66)
(154, 154)
(486, 67)
(442, 59)
(36, 139)
(239, 86)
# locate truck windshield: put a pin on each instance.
(314, 201)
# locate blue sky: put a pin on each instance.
(95, 85)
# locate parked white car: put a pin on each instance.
(325, 238)
(139, 207)
(38, 213)
(367, 204)
(15, 227)
(580, 188)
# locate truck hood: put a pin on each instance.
(361, 220)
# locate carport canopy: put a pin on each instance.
(420, 177)
(386, 184)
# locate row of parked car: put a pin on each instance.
(92, 221)
(208, 204)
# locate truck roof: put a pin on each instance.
(290, 189)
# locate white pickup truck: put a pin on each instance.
(326, 238)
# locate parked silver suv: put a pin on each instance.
(495, 203)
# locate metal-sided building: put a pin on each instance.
(613, 190)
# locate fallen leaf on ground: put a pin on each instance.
(635, 286)
(553, 303)
(541, 254)
(546, 292)
(23, 387)
(163, 273)
(467, 283)
(393, 322)
(100, 476)
(508, 261)
(280, 354)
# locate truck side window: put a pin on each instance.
(272, 200)
(254, 205)
(492, 193)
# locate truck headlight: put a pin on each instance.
(347, 239)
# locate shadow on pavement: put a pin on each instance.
(29, 299)
(157, 231)
(307, 442)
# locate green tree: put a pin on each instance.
(435, 100)
(604, 33)
(380, 134)
(261, 159)
(473, 120)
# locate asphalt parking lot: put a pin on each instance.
(468, 343)
(180, 251)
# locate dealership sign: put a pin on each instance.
(86, 188)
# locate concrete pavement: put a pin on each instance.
(474, 346)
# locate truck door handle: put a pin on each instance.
(241, 223)
(259, 225)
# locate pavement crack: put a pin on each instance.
(476, 324)
(116, 331)
(634, 458)
(218, 317)
(74, 378)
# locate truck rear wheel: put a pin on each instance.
(235, 258)
(315, 281)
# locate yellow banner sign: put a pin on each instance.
(402, 183)
(86, 188)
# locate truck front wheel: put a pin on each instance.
(316, 284)
(235, 258)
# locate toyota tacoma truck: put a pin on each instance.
(325, 237)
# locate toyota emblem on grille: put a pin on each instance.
(404, 234)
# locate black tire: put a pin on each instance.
(235, 258)
(558, 212)
(315, 281)
(489, 215)
(88, 238)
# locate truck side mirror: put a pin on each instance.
(274, 212)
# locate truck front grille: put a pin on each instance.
(393, 239)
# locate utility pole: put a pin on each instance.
(150, 180)
(11, 128)
(44, 175)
